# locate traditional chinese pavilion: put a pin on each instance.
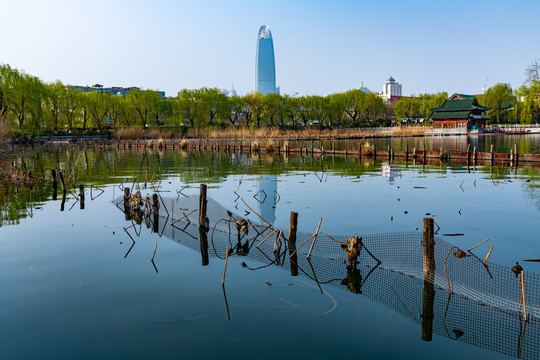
(460, 112)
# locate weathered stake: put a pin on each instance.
(81, 195)
(155, 209)
(203, 220)
(62, 181)
(429, 276)
(225, 268)
(292, 228)
(54, 184)
(429, 248)
(293, 257)
(406, 153)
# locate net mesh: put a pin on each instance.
(480, 304)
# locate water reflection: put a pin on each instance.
(98, 167)
(87, 272)
(526, 144)
(391, 269)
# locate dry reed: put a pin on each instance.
(409, 130)
(266, 132)
(367, 149)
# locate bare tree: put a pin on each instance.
(532, 72)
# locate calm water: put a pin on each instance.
(73, 288)
(526, 144)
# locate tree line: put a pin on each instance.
(31, 106)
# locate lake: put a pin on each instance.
(76, 286)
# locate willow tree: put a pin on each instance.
(499, 98)
(529, 105)
(407, 108)
(19, 96)
(189, 105)
(37, 97)
(70, 106)
(254, 106)
(374, 107)
(54, 94)
(100, 103)
(233, 109)
(6, 74)
(354, 104)
(141, 102)
(431, 101)
(213, 102)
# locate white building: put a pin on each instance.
(229, 93)
(391, 89)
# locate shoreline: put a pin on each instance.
(111, 140)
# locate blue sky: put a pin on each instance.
(320, 46)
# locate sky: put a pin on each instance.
(320, 46)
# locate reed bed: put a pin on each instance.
(409, 130)
(138, 132)
(265, 133)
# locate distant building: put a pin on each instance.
(265, 66)
(459, 114)
(391, 91)
(364, 89)
(116, 90)
(229, 93)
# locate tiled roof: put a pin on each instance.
(462, 96)
(440, 115)
(458, 109)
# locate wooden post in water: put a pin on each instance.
(511, 157)
(54, 184)
(63, 201)
(127, 208)
(203, 237)
(311, 147)
(81, 195)
(62, 181)
(389, 153)
(293, 260)
(491, 154)
(424, 154)
(203, 219)
(468, 158)
(406, 153)
(429, 276)
(155, 209)
(429, 247)
(516, 156)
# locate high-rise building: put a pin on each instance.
(391, 89)
(265, 67)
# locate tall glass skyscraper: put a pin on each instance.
(265, 68)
